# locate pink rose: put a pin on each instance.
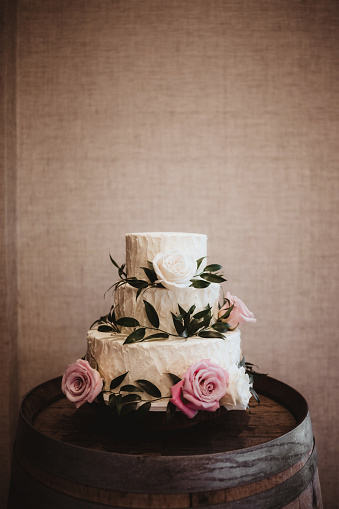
(81, 383)
(203, 385)
(239, 314)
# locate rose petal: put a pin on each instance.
(177, 401)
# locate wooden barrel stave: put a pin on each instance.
(299, 491)
(240, 478)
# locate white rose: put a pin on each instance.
(238, 391)
(174, 269)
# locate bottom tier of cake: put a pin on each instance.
(154, 360)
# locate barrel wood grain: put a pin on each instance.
(266, 457)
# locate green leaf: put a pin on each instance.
(158, 335)
(114, 262)
(194, 326)
(137, 283)
(185, 315)
(175, 378)
(112, 400)
(182, 312)
(143, 409)
(186, 324)
(192, 309)
(179, 327)
(206, 320)
(150, 388)
(128, 321)
(152, 315)
(199, 262)
(135, 336)
(111, 315)
(214, 267)
(255, 395)
(139, 292)
(121, 270)
(212, 278)
(210, 334)
(150, 274)
(128, 408)
(202, 313)
(227, 313)
(94, 323)
(199, 283)
(130, 388)
(221, 326)
(242, 363)
(249, 365)
(117, 381)
(170, 411)
(131, 398)
(105, 328)
(118, 403)
(100, 399)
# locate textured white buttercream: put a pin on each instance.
(165, 302)
(142, 247)
(153, 360)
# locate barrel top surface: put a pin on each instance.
(281, 411)
(235, 448)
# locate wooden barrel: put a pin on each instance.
(66, 458)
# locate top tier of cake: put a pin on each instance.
(143, 247)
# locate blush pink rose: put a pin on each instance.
(201, 388)
(81, 383)
(239, 314)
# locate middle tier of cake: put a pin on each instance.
(165, 303)
(153, 360)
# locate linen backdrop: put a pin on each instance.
(211, 116)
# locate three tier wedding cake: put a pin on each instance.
(171, 340)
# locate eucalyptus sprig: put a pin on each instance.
(107, 323)
(252, 373)
(140, 284)
(208, 275)
(186, 324)
(199, 324)
(128, 398)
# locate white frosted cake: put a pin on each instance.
(171, 340)
(154, 360)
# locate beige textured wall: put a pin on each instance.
(209, 116)
(9, 399)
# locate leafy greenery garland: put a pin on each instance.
(185, 323)
(200, 280)
(128, 399)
